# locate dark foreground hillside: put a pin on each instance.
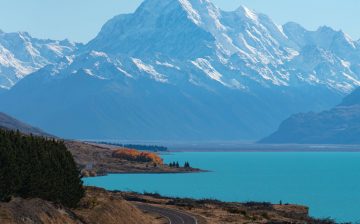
(36, 167)
(40, 183)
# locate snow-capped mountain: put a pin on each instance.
(20, 55)
(237, 46)
(184, 69)
(197, 36)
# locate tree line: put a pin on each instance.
(177, 165)
(153, 148)
(36, 167)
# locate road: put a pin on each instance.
(174, 216)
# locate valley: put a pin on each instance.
(179, 112)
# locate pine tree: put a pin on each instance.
(187, 165)
(37, 167)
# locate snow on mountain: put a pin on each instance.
(20, 55)
(237, 47)
(242, 44)
(185, 69)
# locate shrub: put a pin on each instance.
(35, 167)
(134, 155)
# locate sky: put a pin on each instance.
(81, 20)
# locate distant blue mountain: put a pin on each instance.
(340, 125)
(10, 123)
(186, 70)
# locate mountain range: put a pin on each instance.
(21, 55)
(186, 70)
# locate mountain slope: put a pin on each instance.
(340, 125)
(21, 54)
(83, 106)
(10, 123)
(184, 69)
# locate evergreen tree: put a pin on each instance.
(35, 167)
(187, 165)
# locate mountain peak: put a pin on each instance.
(293, 26)
(330, 30)
(193, 8)
(164, 24)
(193, 14)
(247, 12)
(336, 37)
(325, 29)
(150, 5)
(24, 34)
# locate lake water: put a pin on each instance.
(329, 183)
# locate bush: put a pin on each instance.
(35, 167)
(134, 155)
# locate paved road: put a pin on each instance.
(174, 216)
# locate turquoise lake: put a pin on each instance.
(329, 183)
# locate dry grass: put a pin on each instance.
(215, 212)
(97, 207)
(99, 160)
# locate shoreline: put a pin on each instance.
(149, 173)
(233, 146)
(264, 151)
(172, 172)
(231, 212)
(132, 208)
(95, 160)
(265, 148)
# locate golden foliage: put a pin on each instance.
(135, 155)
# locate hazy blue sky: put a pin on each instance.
(80, 20)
